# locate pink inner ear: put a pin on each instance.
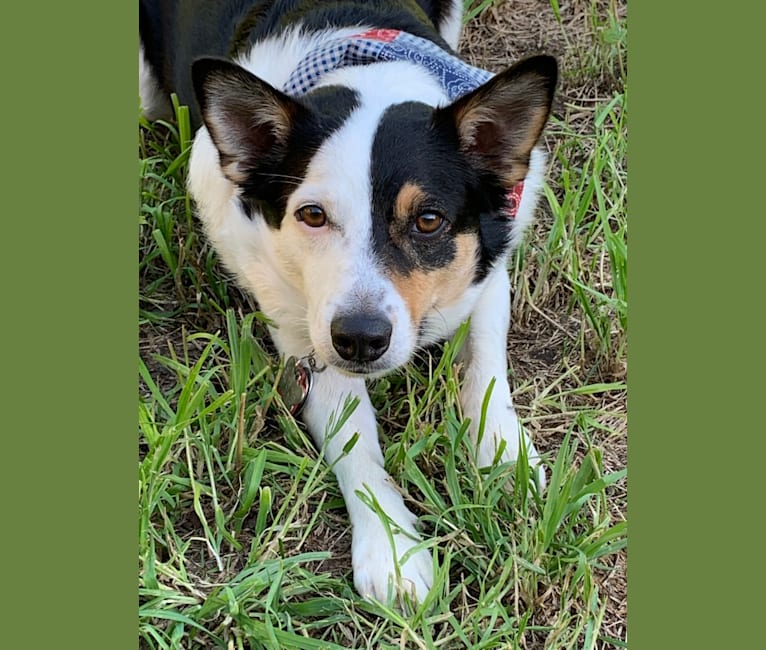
(514, 199)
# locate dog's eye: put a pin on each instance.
(428, 223)
(312, 215)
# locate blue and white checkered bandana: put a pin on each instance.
(456, 77)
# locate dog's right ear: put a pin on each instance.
(499, 123)
(248, 120)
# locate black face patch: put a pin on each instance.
(268, 186)
(414, 147)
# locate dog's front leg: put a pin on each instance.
(484, 359)
(360, 470)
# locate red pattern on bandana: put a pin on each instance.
(514, 199)
(385, 35)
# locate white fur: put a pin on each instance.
(154, 103)
(373, 559)
(302, 277)
(533, 183)
(452, 26)
(275, 58)
(484, 360)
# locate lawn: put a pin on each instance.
(244, 539)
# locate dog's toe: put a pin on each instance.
(487, 453)
(377, 575)
(540, 474)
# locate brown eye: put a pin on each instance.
(312, 215)
(428, 223)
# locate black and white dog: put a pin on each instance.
(367, 187)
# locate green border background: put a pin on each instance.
(70, 335)
(695, 444)
(69, 216)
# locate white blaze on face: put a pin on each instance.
(334, 265)
(338, 273)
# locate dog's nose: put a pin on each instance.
(360, 337)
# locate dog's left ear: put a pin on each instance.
(500, 122)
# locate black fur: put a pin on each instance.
(225, 28)
(176, 32)
(267, 18)
(273, 166)
(415, 144)
(270, 185)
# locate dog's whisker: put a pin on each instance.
(296, 180)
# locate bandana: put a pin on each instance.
(376, 45)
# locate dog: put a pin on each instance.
(367, 187)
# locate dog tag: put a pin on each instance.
(295, 384)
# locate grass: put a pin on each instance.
(243, 536)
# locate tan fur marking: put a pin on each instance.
(424, 290)
(408, 201)
(276, 114)
(469, 118)
(531, 134)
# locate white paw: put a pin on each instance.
(493, 438)
(376, 564)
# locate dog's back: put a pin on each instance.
(228, 28)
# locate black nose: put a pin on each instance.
(360, 337)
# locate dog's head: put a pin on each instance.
(384, 210)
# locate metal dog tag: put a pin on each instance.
(295, 384)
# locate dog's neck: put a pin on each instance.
(377, 45)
